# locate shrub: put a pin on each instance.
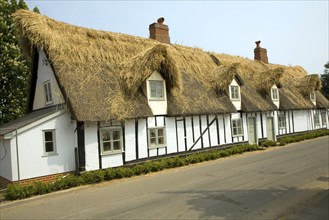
(268, 143)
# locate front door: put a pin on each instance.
(252, 137)
(270, 129)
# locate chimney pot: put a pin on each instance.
(257, 43)
(161, 20)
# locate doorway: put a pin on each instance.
(270, 128)
(252, 134)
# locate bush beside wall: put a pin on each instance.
(17, 191)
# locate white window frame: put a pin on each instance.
(53, 141)
(48, 92)
(275, 94)
(312, 96)
(239, 122)
(234, 92)
(316, 118)
(157, 137)
(111, 140)
(157, 96)
(282, 121)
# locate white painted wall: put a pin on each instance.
(32, 162)
(130, 140)
(236, 103)
(171, 135)
(6, 159)
(302, 120)
(45, 74)
(142, 138)
(158, 107)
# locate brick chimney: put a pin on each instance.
(159, 31)
(260, 53)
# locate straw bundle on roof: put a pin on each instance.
(101, 73)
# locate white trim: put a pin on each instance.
(163, 90)
(12, 134)
(48, 93)
(275, 92)
(112, 151)
(51, 153)
(238, 92)
(152, 146)
(241, 126)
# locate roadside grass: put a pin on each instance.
(18, 191)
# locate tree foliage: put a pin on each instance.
(14, 66)
(325, 80)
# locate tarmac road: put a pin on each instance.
(290, 182)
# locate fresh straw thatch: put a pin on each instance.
(102, 73)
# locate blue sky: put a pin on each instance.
(293, 32)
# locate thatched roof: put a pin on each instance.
(101, 73)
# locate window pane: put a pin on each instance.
(106, 135)
(152, 133)
(50, 98)
(239, 130)
(161, 141)
(46, 92)
(116, 145)
(159, 88)
(48, 136)
(153, 89)
(160, 132)
(107, 146)
(49, 147)
(116, 135)
(235, 132)
(234, 92)
(153, 141)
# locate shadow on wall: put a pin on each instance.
(258, 204)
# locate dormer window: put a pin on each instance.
(275, 93)
(312, 96)
(234, 92)
(156, 89)
(48, 94)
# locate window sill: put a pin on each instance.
(50, 155)
(235, 99)
(112, 153)
(238, 135)
(157, 99)
(156, 147)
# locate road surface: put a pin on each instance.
(289, 182)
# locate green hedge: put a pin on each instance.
(17, 191)
(297, 138)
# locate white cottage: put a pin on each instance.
(101, 99)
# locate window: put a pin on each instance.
(48, 95)
(156, 89)
(316, 118)
(282, 121)
(323, 118)
(312, 96)
(49, 143)
(111, 140)
(235, 92)
(275, 93)
(237, 127)
(156, 137)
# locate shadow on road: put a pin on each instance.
(258, 204)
